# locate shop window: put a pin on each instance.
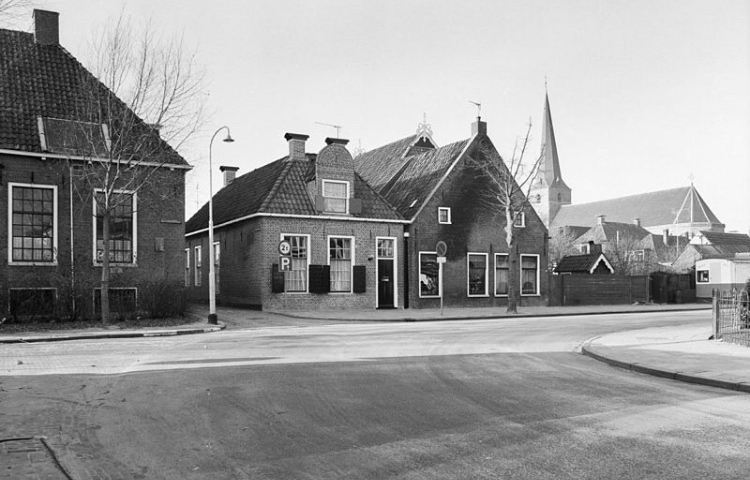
(429, 275)
(477, 274)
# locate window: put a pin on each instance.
(122, 227)
(585, 248)
(444, 215)
(217, 262)
(477, 277)
(32, 302)
(529, 274)
(198, 264)
(702, 276)
(33, 228)
(73, 137)
(502, 274)
(340, 259)
(335, 196)
(520, 221)
(187, 267)
(429, 275)
(296, 280)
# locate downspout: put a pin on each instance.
(406, 269)
(72, 243)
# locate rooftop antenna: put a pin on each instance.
(337, 127)
(479, 108)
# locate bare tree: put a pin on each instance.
(627, 255)
(561, 244)
(507, 196)
(13, 10)
(151, 100)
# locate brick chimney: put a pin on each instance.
(296, 145)
(229, 173)
(637, 222)
(46, 27)
(479, 127)
(336, 141)
(600, 220)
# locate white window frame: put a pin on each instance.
(395, 268)
(419, 268)
(309, 254)
(197, 253)
(698, 276)
(55, 225)
(351, 264)
(346, 199)
(187, 267)
(538, 271)
(217, 272)
(494, 290)
(486, 274)
(447, 210)
(95, 256)
(520, 221)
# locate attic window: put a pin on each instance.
(335, 196)
(73, 137)
(444, 215)
(520, 221)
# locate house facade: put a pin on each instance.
(436, 190)
(303, 232)
(52, 225)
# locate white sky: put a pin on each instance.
(643, 93)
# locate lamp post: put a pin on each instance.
(212, 319)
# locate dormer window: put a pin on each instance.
(444, 215)
(73, 137)
(335, 196)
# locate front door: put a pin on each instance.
(386, 272)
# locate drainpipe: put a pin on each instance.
(72, 254)
(406, 270)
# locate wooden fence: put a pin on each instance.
(567, 290)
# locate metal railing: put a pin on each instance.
(731, 312)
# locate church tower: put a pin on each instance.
(548, 190)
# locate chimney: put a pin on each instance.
(637, 222)
(600, 220)
(336, 141)
(46, 27)
(594, 248)
(296, 145)
(479, 127)
(229, 173)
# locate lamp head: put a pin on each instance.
(229, 138)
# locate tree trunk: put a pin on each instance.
(105, 267)
(513, 273)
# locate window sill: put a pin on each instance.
(531, 294)
(484, 295)
(32, 264)
(118, 265)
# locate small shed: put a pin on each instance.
(593, 263)
(721, 274)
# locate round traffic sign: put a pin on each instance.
(441, 248)
(285, 248)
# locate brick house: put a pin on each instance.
(435, 189)
(345, 240)
(51, 234)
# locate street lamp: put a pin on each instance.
(212, 319)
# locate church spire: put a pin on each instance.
(549, 167)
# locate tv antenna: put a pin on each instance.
(479, 108)
(337, 127)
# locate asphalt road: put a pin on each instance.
(509, 398)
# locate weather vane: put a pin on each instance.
(479, 108)
(424, 128)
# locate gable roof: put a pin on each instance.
(727, 240)
(280, 188)
(406, 177)
(612, 231)
(663, 207)
(582, 263)
(46, 81)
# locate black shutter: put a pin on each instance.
(277, 279)
(360, 278)
(320, 278)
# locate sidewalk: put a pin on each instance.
(678, 352)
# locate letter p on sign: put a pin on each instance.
(285, 264)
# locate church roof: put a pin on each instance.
(549, 166)
(664, 207)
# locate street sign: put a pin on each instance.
(441, 248)
(440, 259)
(285, 263)
(285, 248)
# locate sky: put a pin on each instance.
(645, 95)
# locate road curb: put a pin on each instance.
(107, 335)
(481, 317)
(657, 372)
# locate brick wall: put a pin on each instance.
(160, 222)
